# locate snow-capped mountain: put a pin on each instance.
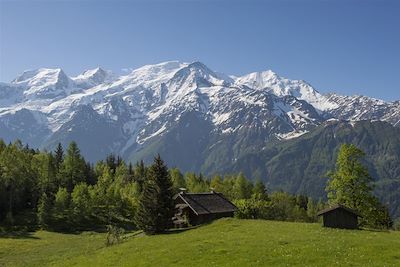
(364, 108)
(91, 78)
(45, 83)
(137, 113)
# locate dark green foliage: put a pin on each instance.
(140, 174)
(155, 208)
(16, 178)
(63, 191)
(113, 162)
(78, 195)
(146, 213)
(59, 156)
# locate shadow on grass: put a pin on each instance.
(20, 234)
(75, 229)
(181, 230)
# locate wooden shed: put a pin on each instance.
(198, 208)
(339, 216)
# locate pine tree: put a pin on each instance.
(44, 165)
(72, 170)
(140, 175)
(59, 156)
(155, 208)
(146, 214)
(111, 162)
(130, 169)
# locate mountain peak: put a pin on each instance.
(92, 77)
(199, 65)
(44, 83)
(197, 74)
(259, 80)
(163, 67)
(32, 76)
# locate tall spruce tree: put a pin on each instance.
(59, 156)
(140, 174)
(72, 170)
(155, 208)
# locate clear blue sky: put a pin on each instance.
(344, 46)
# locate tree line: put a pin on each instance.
(60, 190)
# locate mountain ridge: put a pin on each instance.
(264, 125)
(150, 100)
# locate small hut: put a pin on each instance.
(339, 216)
(198, 208)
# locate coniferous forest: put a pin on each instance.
(61, 191)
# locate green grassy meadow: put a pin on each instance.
(226, 242)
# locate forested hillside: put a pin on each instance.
(300, 165)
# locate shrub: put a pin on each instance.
(254, 209)
(114, 235)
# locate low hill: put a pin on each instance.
(226, 242)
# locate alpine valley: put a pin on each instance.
(282, 131)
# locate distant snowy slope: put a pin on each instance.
(279, 86)
(147, 105)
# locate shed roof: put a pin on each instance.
(207, 203)
(338, 206)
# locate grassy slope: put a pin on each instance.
(43, 247)
(227, 242)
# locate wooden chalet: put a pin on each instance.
(198, 208)
(339, 216)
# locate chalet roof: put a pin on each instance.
(207, 203)
(338, 206)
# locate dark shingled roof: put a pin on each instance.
(338, 206)
(207, 203)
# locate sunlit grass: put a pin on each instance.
(227, 242)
